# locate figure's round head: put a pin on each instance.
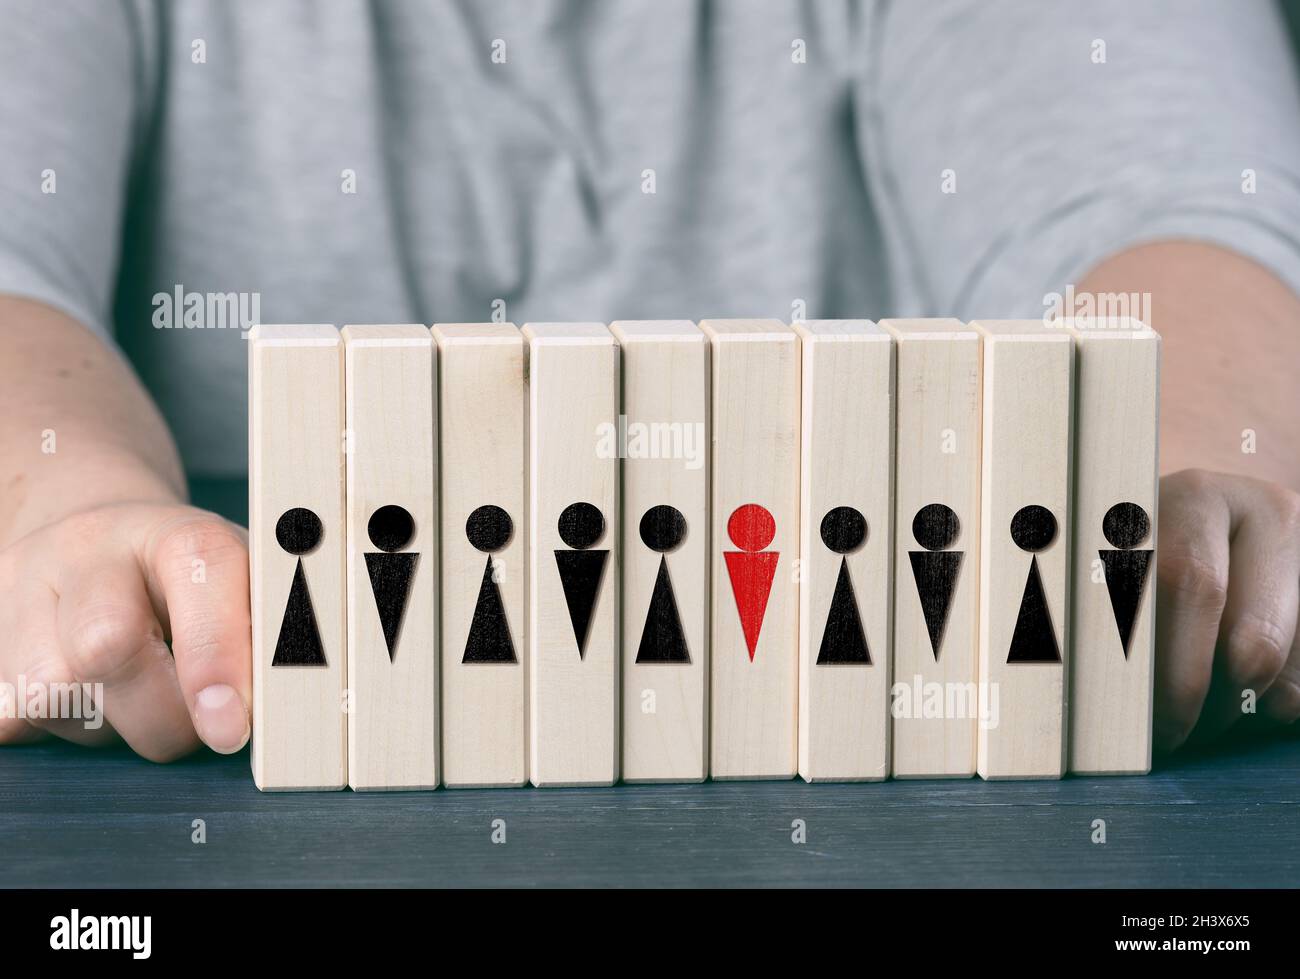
(1033, 527)
(489, 528)
(751, 527)
(581, 525)
(391, 528)
(299, 531)
(1126, 525)
(663, 528)
(935, 526)
(843, 529)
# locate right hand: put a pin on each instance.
(95, 596)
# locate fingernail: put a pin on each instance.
(221, 718)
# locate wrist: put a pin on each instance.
(42, 494)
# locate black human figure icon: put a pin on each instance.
(489, 528)
(390, 529)
(299, 532)
(1125, 525)
(934, 569)
(663, 640)
(1033, 528)
(581, 569)
(843, 530)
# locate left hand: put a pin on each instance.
(1228, 596)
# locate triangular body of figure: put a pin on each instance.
(935, 570)
(843, 640)
(299, 532)
(1125, 525)
(489, 529)
(581, 570)
(935, 574)
(843, 530)
(390, 581)
(751, 528)
(489, 633)
(1034, 640)
(391, 528)
(662, 639)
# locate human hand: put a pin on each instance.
(92, 598)
(1227, 592)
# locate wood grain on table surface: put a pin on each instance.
(77, 817)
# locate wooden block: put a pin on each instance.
(846, 523)
(1117, 474)
(665, 550)
(755, 540)
(484, 554)
(296, 548)
(392, 557)
(936, 696)
(1024, 546)
(573, 578)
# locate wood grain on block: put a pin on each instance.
(936, 703)
(573, 576)
(1112, 637)
(482, 401)
(392, 557)
(755, 541)
(1024, 546)
(846, 547)
(665, 368)
(296, 556)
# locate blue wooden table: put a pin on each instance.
(75, 817)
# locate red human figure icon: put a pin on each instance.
(751, 528)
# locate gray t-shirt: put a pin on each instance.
(402, 161)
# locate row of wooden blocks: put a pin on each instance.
(656, 551)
